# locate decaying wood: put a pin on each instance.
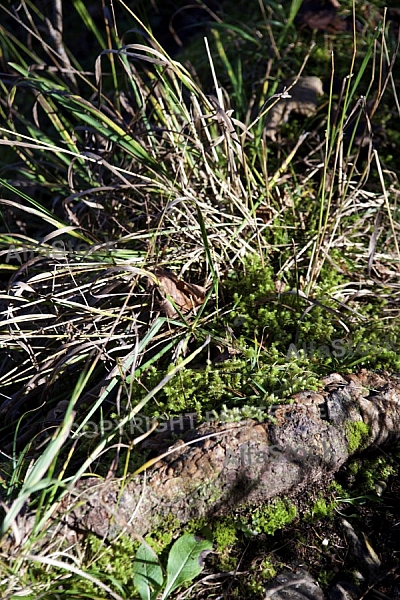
(298, 95)
(218, 467)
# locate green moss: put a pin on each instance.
(243, 387)
(260, 310)
(224, 536)
(325, 577)
(110, 563)
(356, 434)
(268, 570)
(366, 474)
(259, 575)
(283, 345)
(162, 536)
(272, 517)
(224, 533)
(336, 488)
(199, 525)
(320, 509)
(289, 324)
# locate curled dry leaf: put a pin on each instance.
(302, 99)
(280, 286)
(176, 294)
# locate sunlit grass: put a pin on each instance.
(124, 161)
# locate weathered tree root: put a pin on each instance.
(217, 467)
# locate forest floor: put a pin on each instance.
(199, 219)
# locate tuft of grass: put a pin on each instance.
(118, 161)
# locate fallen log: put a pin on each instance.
(218, 467)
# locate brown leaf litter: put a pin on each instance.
(175, 295)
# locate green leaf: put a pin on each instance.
(84, 14)
(19, 69)
(184, 562)
(148, 576)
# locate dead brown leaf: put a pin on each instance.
(177, 293)
(280, 286)
(302, 99)
(321, 15)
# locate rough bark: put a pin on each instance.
(217, 467)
